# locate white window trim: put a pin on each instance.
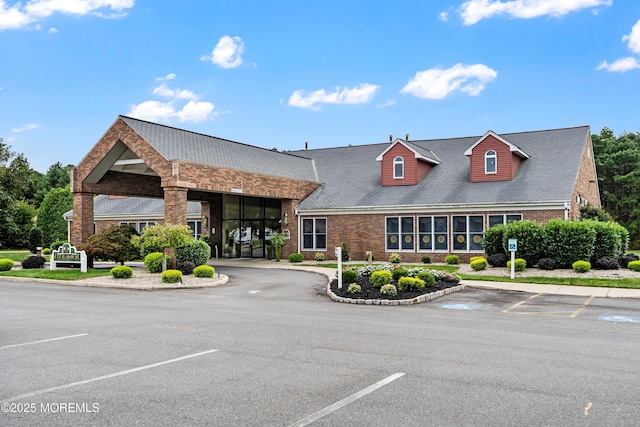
(504, 218)
(302, 234)
(494, 156)
(399, 217)
(398, 162)
(433, 233)
(467, 233)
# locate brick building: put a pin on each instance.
(414, 197)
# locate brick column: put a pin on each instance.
(288, 207)
(82, 224)
(175, 205)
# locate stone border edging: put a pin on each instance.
(416, 300)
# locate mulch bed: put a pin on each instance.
(369, 292)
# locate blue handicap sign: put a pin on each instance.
(614, 318)
(459, 306)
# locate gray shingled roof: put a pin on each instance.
(140, 206)
(351, 175)
(179, 144)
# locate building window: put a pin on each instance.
(196, 228)
(398, 168)
(314, 234)
(133, 225)
(503, 219)
(400, 233)
(432, 233)
(490, 162)
(468, 232)
(143, 225)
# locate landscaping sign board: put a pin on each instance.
(68, 254)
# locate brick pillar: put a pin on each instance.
(288, 207)
(175, 205)
(82, 224)
(205, 217)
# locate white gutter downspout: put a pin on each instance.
(566, 210)
(299, 222)
(68, 230)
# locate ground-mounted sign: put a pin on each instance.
(67, 254)
(513, 248)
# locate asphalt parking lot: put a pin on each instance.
(271, 349)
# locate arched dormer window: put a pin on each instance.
(398, 168)
(490, 162)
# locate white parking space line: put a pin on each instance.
(355, 396)
(42, 341)
(105, 377)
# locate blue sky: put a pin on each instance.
(279, 73)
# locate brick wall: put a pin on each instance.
(586, 186)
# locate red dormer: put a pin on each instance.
(404, 163)
(493, 158)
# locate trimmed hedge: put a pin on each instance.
(6, 264)
(153, 262)
(492, 242)
(204, 271)
(607, 243)
(349, 276)
(196, 251)
(399, 273)
(171, 276)
(186, 267)
(296, 258)
(531, 239)
(427, 278)
(410, 284)
(380, 278)
(122, 272)
(520, 264)
(33, 261)
(569, 241)
(626, 259)
(426, 259)
(478, 264)
(452, 260)
(581, 266)
(634, 265)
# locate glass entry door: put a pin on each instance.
(252, 239)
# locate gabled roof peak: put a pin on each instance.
(419, 152)
(512, 147)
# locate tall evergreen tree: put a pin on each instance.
(50, 220)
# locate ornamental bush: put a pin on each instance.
(349, 276)
(497, 260)
(530, 235)
(204, 271)
(606, 263)
(171, 276)
(607, 243)
(122, 272)
(6, 264)
(35, 239)
(581, 266)
(186, 267)
(492, 242)
(388, 290)
(398, 273)
(410, 284)
(196, 251)
(153, 262)
(33, 261)
(473, 258)
(452, 259)
(520, 264)
(112, 244)
(296, 258)
(569, 241)
(634, 265)
(428, 278)
(624, 260)
(354, 288)
(395, 258)
(46, 251)
(478, 264)
(426, 259)
(318, 256)
(547, 263)
(380, 278)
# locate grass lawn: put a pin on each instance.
(45, 273)
(15, 255)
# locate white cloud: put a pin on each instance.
(227, 53)
(16, 16)
(443, 16)
(437, 83)
(157, 111)
(52, 30)
(358, 95)
(30, 126)
(620, 65)
(473, 11)
(634, 38)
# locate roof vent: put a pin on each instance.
(306, 145)
(390, 138)
(406, 137)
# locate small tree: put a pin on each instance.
(50, 220)
(35, 239)
(277, 240)
(163, 236)
(112, 244)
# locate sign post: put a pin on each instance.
(513, 248)
(338, 252)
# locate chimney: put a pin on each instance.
(390, 138)
(406, 137)
(306, 145)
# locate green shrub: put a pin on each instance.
(380, 278)
(607, 243)
(153, 262)
(296, 258)
(426, 259)
(473, 258)
(349, 276)
(354, 288)
(186, 267)
(530, 235)
(35, 239)
(195, 251)
(398, 273)
(345, 252)
(410, 284)
(624, 260)
(497, 260)
(388, 290)
(569, 241)
(624, 237)
(452, 259)
(33, 261)
(46, 251)
(56, 244)
(122, 272)
(493, 238)
(6, 264)
(479, 264)
(395, 258)
(318, 256)
(581, 266)
(204, 271)
(520, 264)
(634, 265)
(428, 278)
(171, 276)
